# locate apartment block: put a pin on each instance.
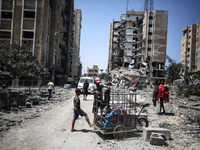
(93, 72)
(46, 28)
(76, 63)
(190, 47)
(139, 41)
(197, 55)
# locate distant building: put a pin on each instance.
(93, 72)
(190, 47)
(46, 28)
(139, 40)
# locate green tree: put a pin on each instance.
(19, 62)
(173, 70)
(105, 76)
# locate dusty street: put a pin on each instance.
(51, 129)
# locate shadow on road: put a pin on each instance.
(85, 130)
(135, 134)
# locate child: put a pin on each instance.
(78, 111)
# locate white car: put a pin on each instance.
(82, 81)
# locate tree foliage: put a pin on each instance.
(173, 70)
(105, 76)
(19, 62)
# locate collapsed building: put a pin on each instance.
(138, 41)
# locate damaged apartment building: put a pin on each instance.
(46, 28)
(190, 47)
(139, 41)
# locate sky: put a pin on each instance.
(97, 15)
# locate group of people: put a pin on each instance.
(97, 91)
(161, 92)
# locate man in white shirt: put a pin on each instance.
(50, 87)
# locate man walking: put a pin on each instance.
(85, 89)
(50, 87)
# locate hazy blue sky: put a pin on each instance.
(98, 14)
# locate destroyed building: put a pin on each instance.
(190, 47)
(46, 28)
(139, 41)
(93, 72)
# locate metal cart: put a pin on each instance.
(116, 113)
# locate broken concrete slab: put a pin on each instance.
(194, 146)
(158, 139)
(148, 131)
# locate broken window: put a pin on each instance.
(149, 49)
(150, 25)
(128, 45)
(29, 14)
(149, 41)
(150, 17)
(5, 34)
(129, 31)
(6, 15)
(149, 33)
(28, 34)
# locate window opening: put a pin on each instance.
(27, 34)
(29, 14)
(6, 15)
(4, 34)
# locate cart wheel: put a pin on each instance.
(142, 122)
(121, 135)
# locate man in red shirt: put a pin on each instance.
(163, 92)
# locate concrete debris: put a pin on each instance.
(119, 74)
(147, 132)
(158, 139)
(194, 146)
(35, 102)
(183, 124)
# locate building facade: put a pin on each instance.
(93, 72)
(190, 47)
(197, 58)
(76, 69)
(138, 41)
(45, 27)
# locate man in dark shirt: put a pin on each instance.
(85, 89)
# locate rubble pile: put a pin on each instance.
(118, 77)
(181, 118)
(36, 102)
